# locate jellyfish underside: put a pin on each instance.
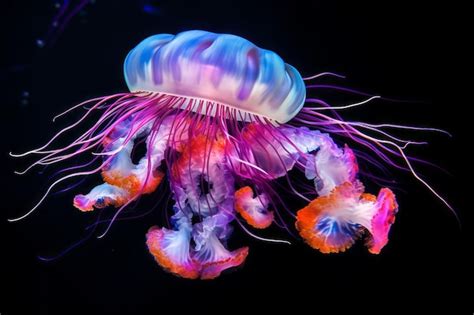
(220, 169)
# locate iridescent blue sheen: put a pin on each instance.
(337, 232)
(221, 68)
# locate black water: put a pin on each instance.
(398, 49)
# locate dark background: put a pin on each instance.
(397, 49)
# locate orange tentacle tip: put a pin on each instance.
(213, 270)
(172, 257)
(172, 252)
(332, 223)
(253, 210)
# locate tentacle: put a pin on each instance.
(253, 210)
(209, 252)
(334, 222)
(171, 248)
(125, 180)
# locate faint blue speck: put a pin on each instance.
(40, 43)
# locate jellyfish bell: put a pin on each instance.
(220, 68)
(222, 120)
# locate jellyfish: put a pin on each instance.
(228, 127)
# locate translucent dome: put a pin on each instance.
(221, 68)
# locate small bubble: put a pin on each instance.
(150, 9)
(40, 43)
(24, 98)
(55, 24)
(57, 5)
